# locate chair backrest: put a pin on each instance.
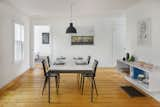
(48, 60)
(95, 64)
(44, 67)
(88, 60)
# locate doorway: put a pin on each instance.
(42, 43)
(119, 41)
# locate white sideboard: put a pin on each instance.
(152, 75)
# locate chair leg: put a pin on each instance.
(56, 80)
(83, 78)
(89, 80)
(92, 89)
(48, 89)
(95, 87)
(44, 85)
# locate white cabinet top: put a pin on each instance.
(142, 65)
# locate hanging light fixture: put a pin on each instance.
(71, 28)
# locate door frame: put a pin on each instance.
(32, 41)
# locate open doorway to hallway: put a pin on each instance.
(42, 45)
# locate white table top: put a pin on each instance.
(71, 67)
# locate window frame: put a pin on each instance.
(21, 42)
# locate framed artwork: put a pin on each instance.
(82, 40)
(45, 38)
(144, 32)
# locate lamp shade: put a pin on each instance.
(71, 29)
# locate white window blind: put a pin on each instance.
(18, 42)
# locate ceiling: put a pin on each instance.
(80, 7)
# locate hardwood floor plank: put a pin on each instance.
(25, 91)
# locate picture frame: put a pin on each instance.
(82, 40)
(144, 37)
(45, 38)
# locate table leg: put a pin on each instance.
(56, 79)
(48, 89)
(80, 84)
(78, 77)
(82, 87)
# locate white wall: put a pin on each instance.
(8, 69)
(103, 44)
(145, 9)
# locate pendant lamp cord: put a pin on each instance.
(71, 9)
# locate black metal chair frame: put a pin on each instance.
(47, 75)
(48, 60)
(79, 75)
(88, 60)
(92, 76)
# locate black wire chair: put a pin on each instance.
(47, 75)
(92, 76)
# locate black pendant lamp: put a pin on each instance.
(71, 28)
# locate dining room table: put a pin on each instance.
(71, 66)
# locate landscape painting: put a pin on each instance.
(82, 40)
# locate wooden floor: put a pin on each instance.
(27, 92)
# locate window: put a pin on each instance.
(18, 42)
